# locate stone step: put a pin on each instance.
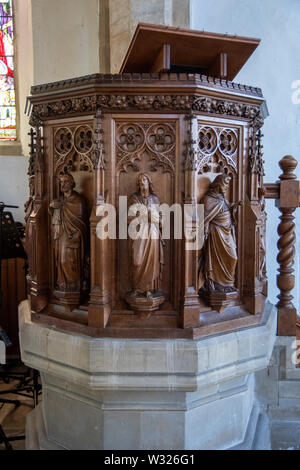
(257, 436)
(285, 435)
(36, 436)
(291, 374)
(289, 389)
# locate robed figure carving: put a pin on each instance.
(70, 235)
(145, 247)
(218, 257)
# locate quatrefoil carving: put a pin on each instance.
(161, 138)
(228, 142)
(130, 137)
(63, 141)
(208, 140)
(83, 139)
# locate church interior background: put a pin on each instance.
(52, 40)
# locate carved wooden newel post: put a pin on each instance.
(288, 202)
(287, 195)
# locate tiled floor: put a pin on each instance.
(13, 418)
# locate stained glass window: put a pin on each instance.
(7, 87)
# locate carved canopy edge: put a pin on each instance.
(143, 78)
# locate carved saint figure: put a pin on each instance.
(218, 257)
(70, 230)
(147, 249)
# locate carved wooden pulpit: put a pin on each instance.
(171, 129)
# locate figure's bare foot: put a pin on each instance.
(149, 294)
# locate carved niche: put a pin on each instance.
(69, 209)
(218, 257)
(145, 147)
(69, 221)
(146, 252)
(217, 166)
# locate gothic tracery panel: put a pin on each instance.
(74, 147)
(156, 139)
(217, 148)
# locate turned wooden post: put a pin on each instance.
(287, 204)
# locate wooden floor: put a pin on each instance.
(14, 291)
(13, 418)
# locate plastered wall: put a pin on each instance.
(273, 67)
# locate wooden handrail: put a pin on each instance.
(287, 195)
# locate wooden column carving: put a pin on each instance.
(36, 221)
(289, 201)
(255, 280)
(99, 304)
(191, 304)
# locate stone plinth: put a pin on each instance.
(145, 394)
(278, 390)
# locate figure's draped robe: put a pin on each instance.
(218, 258)
(70, 236)
(146, 252)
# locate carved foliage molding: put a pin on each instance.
(157, 139)
(149, 102)
(256, 162)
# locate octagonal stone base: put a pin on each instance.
(146, 394)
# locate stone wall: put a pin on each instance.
(124, 15)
